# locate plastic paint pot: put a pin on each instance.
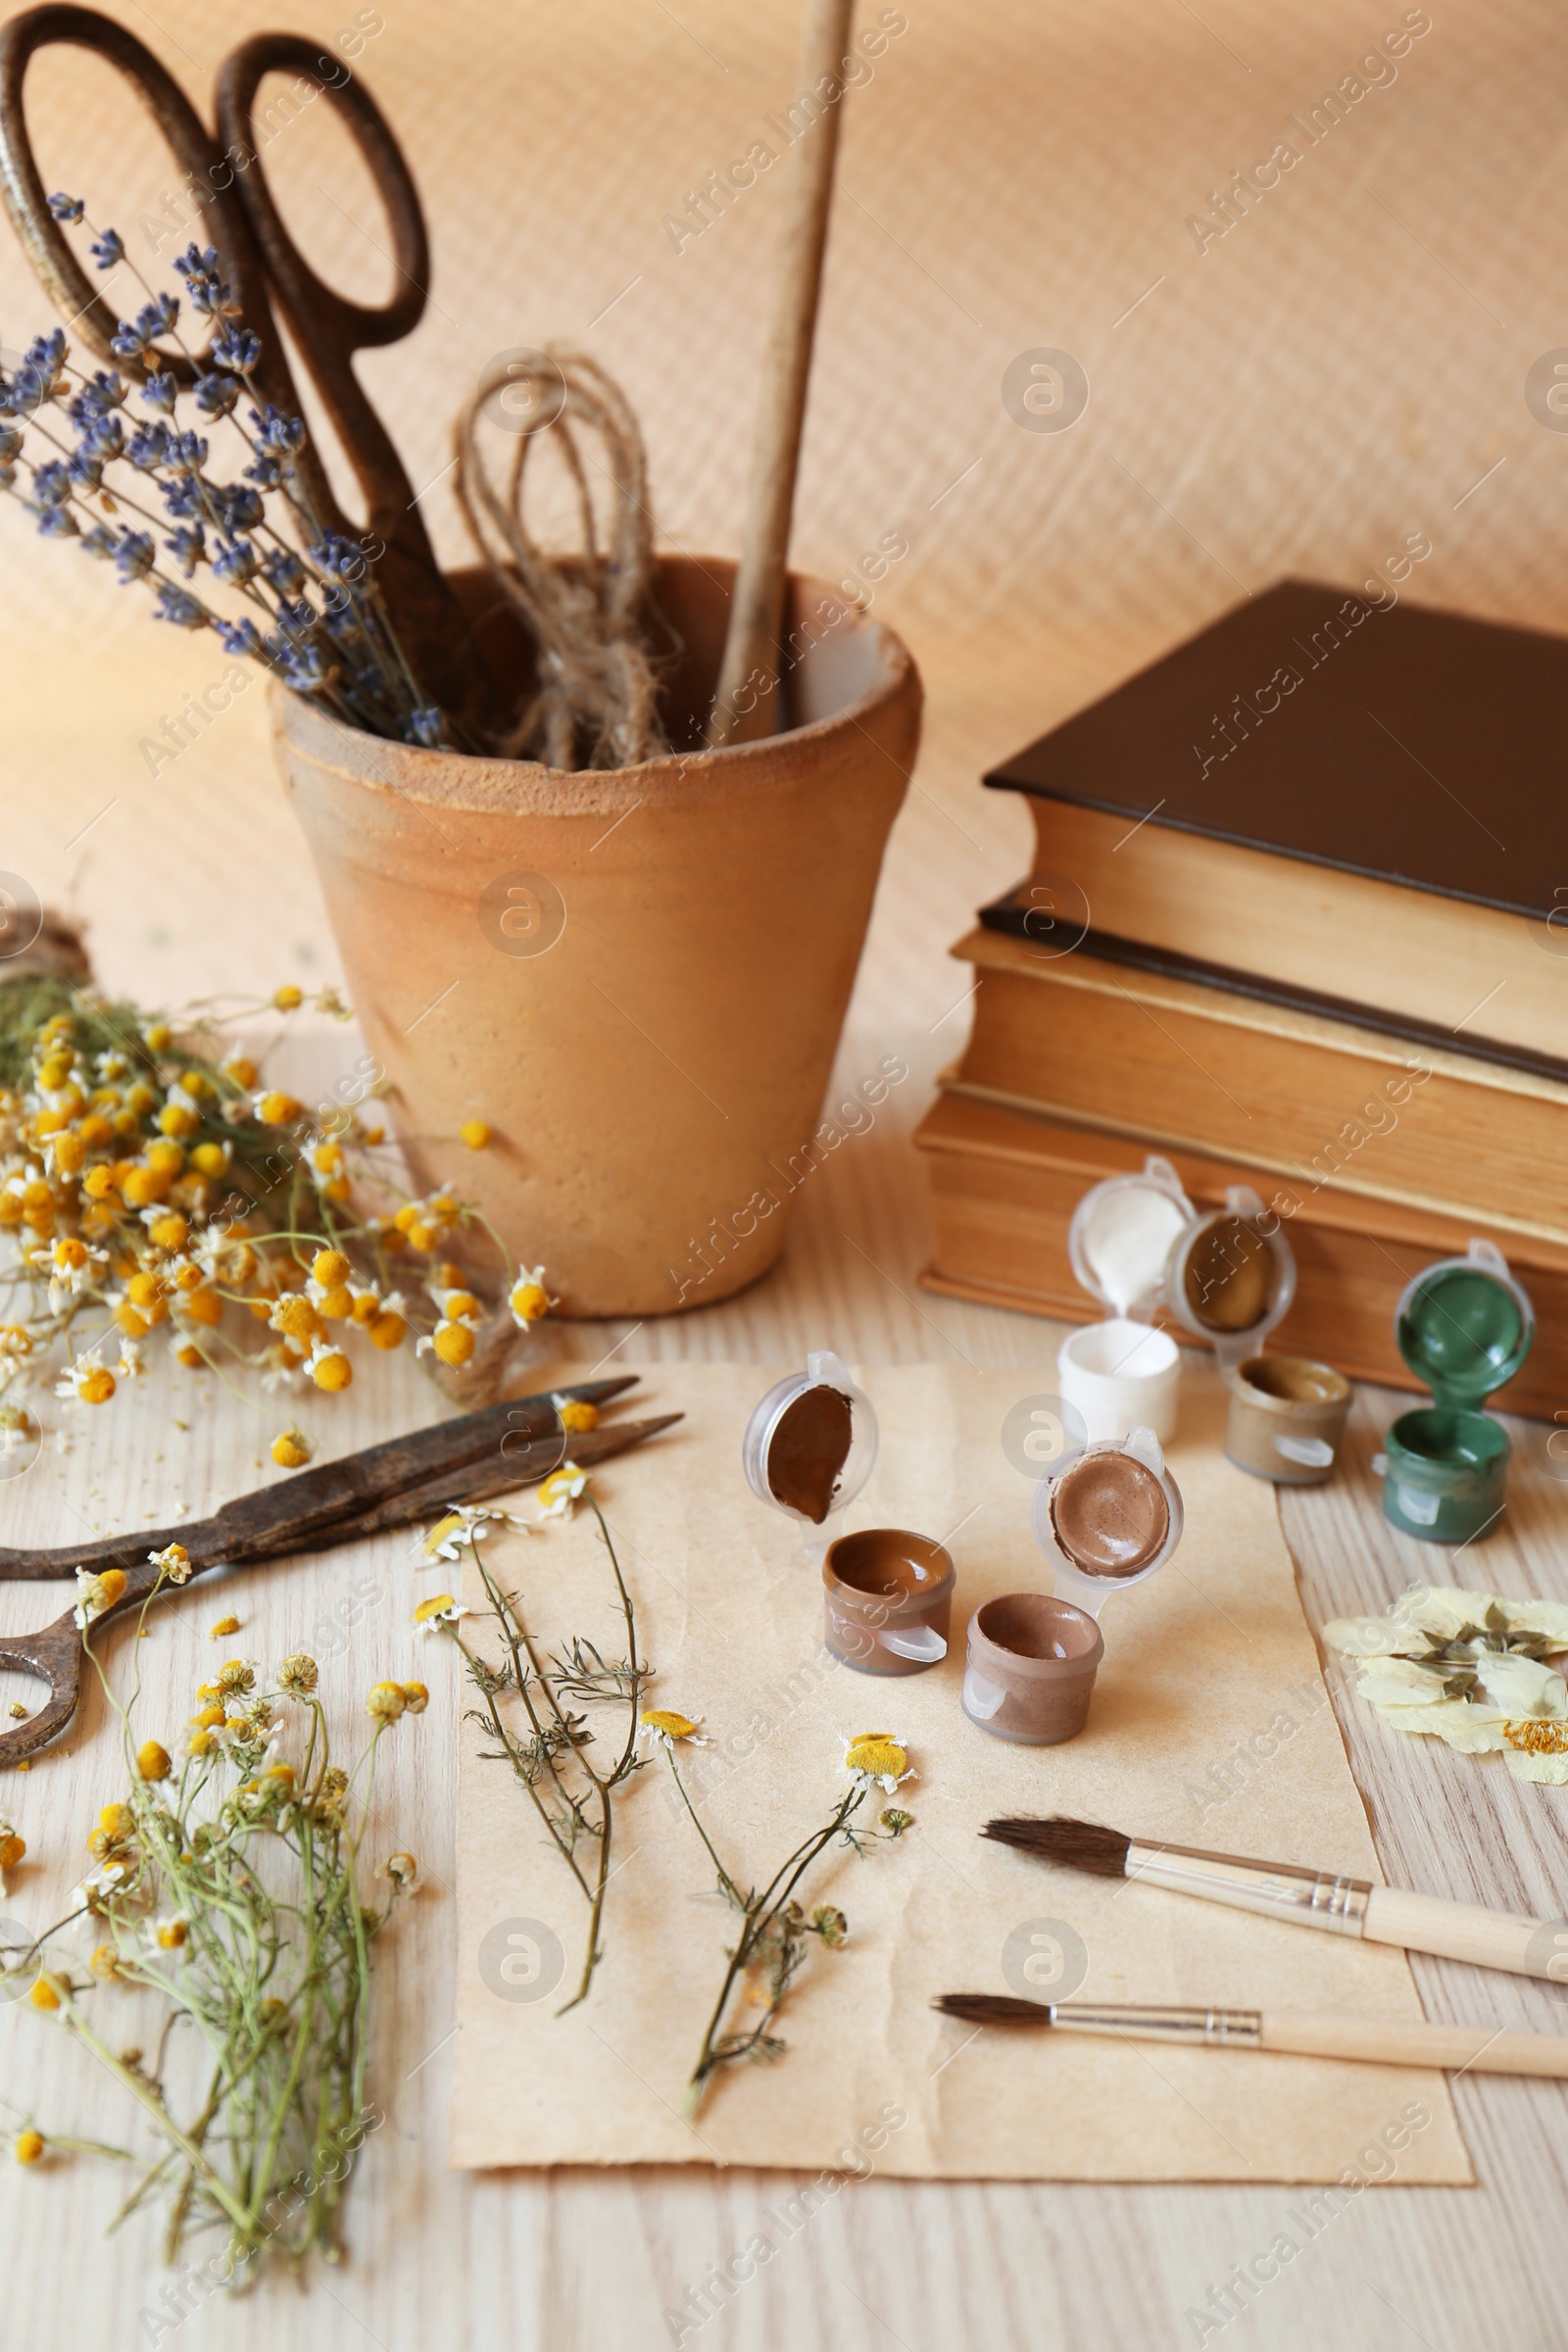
(1287, 1417)
(1030, 1669)
(1464, 1326)
(1120, 1374)
(1108, 1520)
(810, 1446)
(888, 1596)
(1231, 1277)
(1123, 1373)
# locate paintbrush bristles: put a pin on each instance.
(1078, 1844)
(993, 2009)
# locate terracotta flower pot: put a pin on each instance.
(637, 977)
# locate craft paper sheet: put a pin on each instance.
(1211, 1652)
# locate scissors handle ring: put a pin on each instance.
(75, 298)
(313, 309)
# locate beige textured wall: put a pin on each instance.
(1337, 371)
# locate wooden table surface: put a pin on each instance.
(575, 2262)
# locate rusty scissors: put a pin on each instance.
(238, 215)
(514, 1444)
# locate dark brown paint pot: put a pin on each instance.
(1031, 1667)
(1287, 1418)
(888, 1596)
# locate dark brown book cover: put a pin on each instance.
(1395, 741)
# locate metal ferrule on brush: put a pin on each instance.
(1208, 2029)
(1312, 1898)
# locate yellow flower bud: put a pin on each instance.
(292, 1450)
(152, 1761)
(28, 2148)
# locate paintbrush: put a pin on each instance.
(1304, 2032)
(1308, 1899)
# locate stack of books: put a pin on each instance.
(1298, 920)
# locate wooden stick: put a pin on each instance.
(748, 700)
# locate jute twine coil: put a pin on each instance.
(597, 699)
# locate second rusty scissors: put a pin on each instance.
(388, 1486)
(265, 268)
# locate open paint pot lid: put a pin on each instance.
(810, 1444)
(1109, 1519)
(1231, 1276)
(1121, 1237)
(1464, 1326)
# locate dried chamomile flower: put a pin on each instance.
(152, 1761)
(441, 1609)
(222, 1629)
(662, 1727)
(28, 2148)
(876, 1759)
(575, 1414)
(830, 1924)
(561, 1489)
(96, 1594)
(403, 1871)
(173, 1562)
(474, 1133)
(87, 1380)
(291, 1449)
(298, 1674)
(529, 1301)
(384, 1702)
(12, 1850)
(462, 1525)
(895, 1820)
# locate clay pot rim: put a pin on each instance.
(527, 787)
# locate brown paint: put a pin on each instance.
(808, 1449)
(1042, 1655)
(1109, 1514)
(1293, 1380)
(1228, 1278)
(885, 1580)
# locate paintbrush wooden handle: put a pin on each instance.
(1384, 2041)
(746, 705)
(1426, 1922)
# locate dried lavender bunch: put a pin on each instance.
(297, 598)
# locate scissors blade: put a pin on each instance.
(285, 1513)
(54, 1655)
(478, 1482)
